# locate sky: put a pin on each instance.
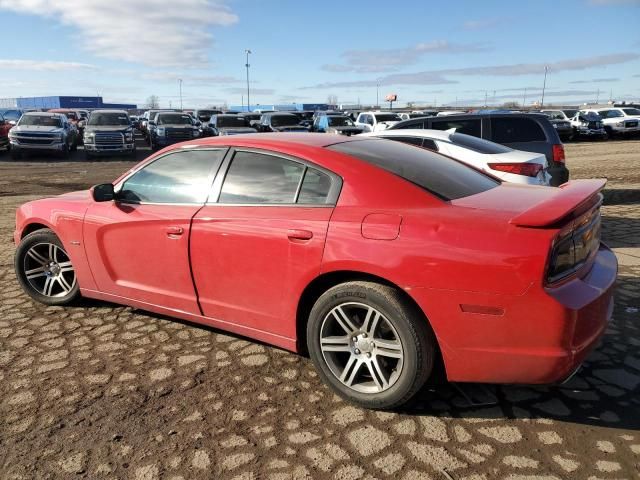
(463, 52)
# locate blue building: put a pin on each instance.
(67, 102)
(297, 107)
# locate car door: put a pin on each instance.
(138, 244)
(259, 240)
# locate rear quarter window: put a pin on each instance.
(442, 176)
(516, 130)
(471, 127)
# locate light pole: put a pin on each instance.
(247, 51)
(377, 92)
(544, 85)
(524, 98)
(180, 84)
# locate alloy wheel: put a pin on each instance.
(49, 271)
(361, 347)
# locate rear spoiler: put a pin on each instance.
(563, 203)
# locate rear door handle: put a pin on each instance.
(174, 231)
(295, 234)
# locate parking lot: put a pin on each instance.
(103, 391)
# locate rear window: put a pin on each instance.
(469, 127)
(478, 144)
(442, 176)
(516, 129)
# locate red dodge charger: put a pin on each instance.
(375, 257)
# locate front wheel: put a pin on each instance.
(44, 269)
(371, 345)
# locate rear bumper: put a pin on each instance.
(541, 337)
(559, 174)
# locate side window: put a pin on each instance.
(518, 129)
(471, 127)
(181, 177)
(370, 119)
(430, 144)
(417, 141)
(315, 187)
(263, 179)
(411, 125)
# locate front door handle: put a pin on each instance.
(296, 234)
(174, 231)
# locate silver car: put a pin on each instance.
(43, 132)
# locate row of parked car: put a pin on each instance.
(60, 131)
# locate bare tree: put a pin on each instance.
(510, 105)
(332, 99)
(153, 102)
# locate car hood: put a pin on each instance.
(291, 128)
(346, 130)
(176, 125)
(36, 129)
(106, 128)
(236, 130)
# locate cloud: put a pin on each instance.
(153, 32)
(439, 77)
(482, 24)
(189, 79)
(253, 91)
(386, 60)
(597, 80)
(44, 65)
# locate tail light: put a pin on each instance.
(558, 153)
(528, 169)
(572, 249)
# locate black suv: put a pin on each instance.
(109, 132)
(281, 122)
(522, 131)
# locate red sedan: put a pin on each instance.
(375, 257)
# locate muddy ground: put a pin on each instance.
(102, 391)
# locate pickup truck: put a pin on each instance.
(167, 128)
(74, 117)
(5, 126)
(109, 132)
(43, 132)
(619, 120)
(376, 121)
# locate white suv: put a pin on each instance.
(376, 121)
(619, 120)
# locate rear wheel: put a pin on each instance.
(44, 269)
(370, 344)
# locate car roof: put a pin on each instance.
(45, 114)
(273, 139)
(108, 110)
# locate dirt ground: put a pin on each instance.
(100, 391)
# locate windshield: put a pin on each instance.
(589, 116)
(119, 119)
(231, 121)
(631, 111)
(204, 115)
(478, 144)
(554, 114)
(387, 117)
(440, 175)
(173, 119)
(284, 120)
(41, 121)
(12, 115)
(570, 113)
(335, 121)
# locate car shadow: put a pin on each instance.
(602, 393)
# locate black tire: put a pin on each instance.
(41, 239)
(15, 154)
(66, 151)
(410, 328)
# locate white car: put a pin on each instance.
(376, 121)
(619, 120)
(503, 162)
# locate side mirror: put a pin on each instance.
(103, 192)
